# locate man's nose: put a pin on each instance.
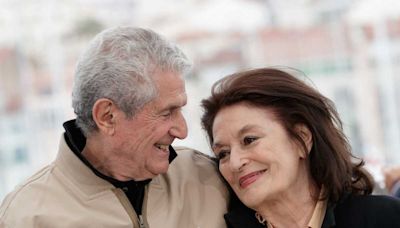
(179, 129)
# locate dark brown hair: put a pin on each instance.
(294, 102)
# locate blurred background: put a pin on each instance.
(350, 49)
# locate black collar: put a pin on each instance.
(239, 215)
(77, 141)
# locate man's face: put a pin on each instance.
(141, 143)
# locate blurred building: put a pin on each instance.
(349, 49)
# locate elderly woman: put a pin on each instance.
(280, 147)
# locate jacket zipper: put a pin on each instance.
(141, 222)
(136, 219)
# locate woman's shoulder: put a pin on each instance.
(368, 211)
(377, 202)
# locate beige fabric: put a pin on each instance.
(68, 194)
(318, 215)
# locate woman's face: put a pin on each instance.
(257, 157)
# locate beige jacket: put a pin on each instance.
(68, 194)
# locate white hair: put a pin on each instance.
(119, 65)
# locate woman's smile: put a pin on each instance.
(250, 178)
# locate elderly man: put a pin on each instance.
(115, 166)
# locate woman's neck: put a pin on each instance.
(293, 209)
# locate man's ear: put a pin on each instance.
(103, 113)
(304, 132)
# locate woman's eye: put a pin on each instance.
(222, 154)
(249, 139)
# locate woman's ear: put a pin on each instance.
(103, 114)
(304, 132)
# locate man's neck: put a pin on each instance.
(95, 158)
(96, 155)
(77, 142)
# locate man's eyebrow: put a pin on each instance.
(171, 107)
(176, 105)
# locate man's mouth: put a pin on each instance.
(163, 147)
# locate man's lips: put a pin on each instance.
(248, 179)
(163, 147)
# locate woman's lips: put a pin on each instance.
(248, 179)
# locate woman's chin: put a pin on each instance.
(251, 200)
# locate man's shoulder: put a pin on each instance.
(186, 154)
(195, 167)
(30, 184)
(191, 193)
(194, 161)
(27, 195)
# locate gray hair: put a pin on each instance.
(119, 65)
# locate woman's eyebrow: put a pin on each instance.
(247, 128)
(216, 145)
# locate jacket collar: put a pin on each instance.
(330, 220)
(239, 215)
(74, 141)
(78, 173)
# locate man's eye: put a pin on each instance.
(249, 139)
(166, 114)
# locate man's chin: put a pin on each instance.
(164, 170)
(161, 169)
